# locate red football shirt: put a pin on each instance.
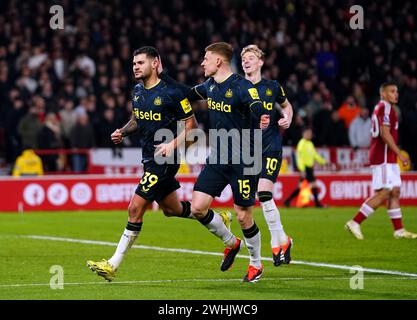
(384, 114)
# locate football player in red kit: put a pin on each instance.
(383, 153)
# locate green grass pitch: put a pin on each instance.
(147, 273)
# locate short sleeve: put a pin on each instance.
(199, 92)
(182, 106)
(250, 97)
(384, 114)
(281, 96)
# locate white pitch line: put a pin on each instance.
(193, 280)
(313, 264)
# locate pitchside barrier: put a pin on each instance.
(103, 192)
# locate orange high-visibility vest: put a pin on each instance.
(304, 196)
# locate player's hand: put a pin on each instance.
(285, 122)
(116, 136)
(164, 149)
(404, 159)
(264, 123)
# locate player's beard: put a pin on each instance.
(143, 76)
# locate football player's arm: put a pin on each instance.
(190, 123)
(168, 79)
(183, 112)
(251, 97)
(318, 157)
(166, 149)
(389, 140)
(287, 113)
(129, 128)
(284, 107)
(192, 93)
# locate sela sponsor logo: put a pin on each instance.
(223, 107)
(147, 115)
(33, 194)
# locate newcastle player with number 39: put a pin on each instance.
(156, 105)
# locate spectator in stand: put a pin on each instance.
(335, 132)
(314, 105)
(107, 126)
(29, 127)
(13, 118)
(360, 130)
(49, 138)
(68, 120)
(348, 111)
(81, 137)
(321, 120)
(28, 164)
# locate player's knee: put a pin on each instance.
(243, 217)
(198, 211)
(134, 212)
(384, 194)
(395, 192)
(169, 212)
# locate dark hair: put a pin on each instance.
(222, 48)
(149, 51)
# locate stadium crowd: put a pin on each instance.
(71, 88)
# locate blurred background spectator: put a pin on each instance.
(81, 137)
(310, 49)
(360, 130)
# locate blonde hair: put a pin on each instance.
(255, 50)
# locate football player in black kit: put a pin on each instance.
(270, 92)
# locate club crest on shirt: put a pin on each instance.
(157, 101)
(136, 98)
(211, 88)
(229, 93)
(268, 92)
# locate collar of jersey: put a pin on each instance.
(158, 82)
(224, 79)
(256, 83)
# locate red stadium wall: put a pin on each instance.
(104, 192)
